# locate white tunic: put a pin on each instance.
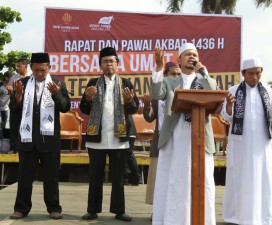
(248, 193)
(172, 197)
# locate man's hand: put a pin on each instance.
(90, 92)
(127, 95)
(19, 90)
(199, 66)
(230, 101)
(147, 101)
(53, 87)
(159, 59)
(9, 89)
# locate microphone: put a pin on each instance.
(201, 70)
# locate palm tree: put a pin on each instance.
(214, 6)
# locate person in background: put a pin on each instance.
(172, 195)
(4, 103)
(108, 100)
(37, 101)
(134, 178)
(248, 108)
(154, 110)
(21, 67)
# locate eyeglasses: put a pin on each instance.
(112, 61)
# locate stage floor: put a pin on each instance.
(73, 198)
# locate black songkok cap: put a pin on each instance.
(40, 57)
(108, 51)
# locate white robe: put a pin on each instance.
(248, 191)
(172, 196)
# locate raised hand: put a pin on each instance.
(159, 59)
(127, 95)
(90, 92)
(53, 87)
(230, 101)
(19, 90)
(199, 66)
(147, 101)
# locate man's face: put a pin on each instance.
(173, 72)
(20, 68)
(109, 65)
(252, 76)
(40, 70)
(187, 58)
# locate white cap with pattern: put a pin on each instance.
(185, 47)
(251, 63)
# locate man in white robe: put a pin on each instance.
(248, 108)
(172, 197)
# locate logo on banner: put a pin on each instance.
(106, 20)
(66, 19)
(104, 24)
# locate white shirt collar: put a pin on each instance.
(107, 79)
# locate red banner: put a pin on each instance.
(74, 38)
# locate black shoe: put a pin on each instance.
(123, 217)
(17, 216)
(55, 215)
(89, 216)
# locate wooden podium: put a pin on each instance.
(198, 103)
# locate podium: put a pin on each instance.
(199, 103)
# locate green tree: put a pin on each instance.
(13, 56)
(8, 16)
(214, 6)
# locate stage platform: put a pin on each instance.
(73, 198)
(74, 167)
(74, 157)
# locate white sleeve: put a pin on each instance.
(157, 76)
(224, 113)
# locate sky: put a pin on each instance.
(28, 35)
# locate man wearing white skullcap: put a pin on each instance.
(248, 108)
(172, 197)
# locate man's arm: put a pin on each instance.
(158, 87)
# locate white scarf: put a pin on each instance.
(47, 112)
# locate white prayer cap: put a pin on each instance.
(251, 63)
(185, 47)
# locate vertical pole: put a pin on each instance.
(198, 166)
(2, 175)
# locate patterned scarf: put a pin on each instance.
(97, 108)
(47, 110)
(195, 85)
(239, 108)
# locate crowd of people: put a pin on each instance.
(109, 101)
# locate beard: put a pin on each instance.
(109, 72)
(191, 67)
